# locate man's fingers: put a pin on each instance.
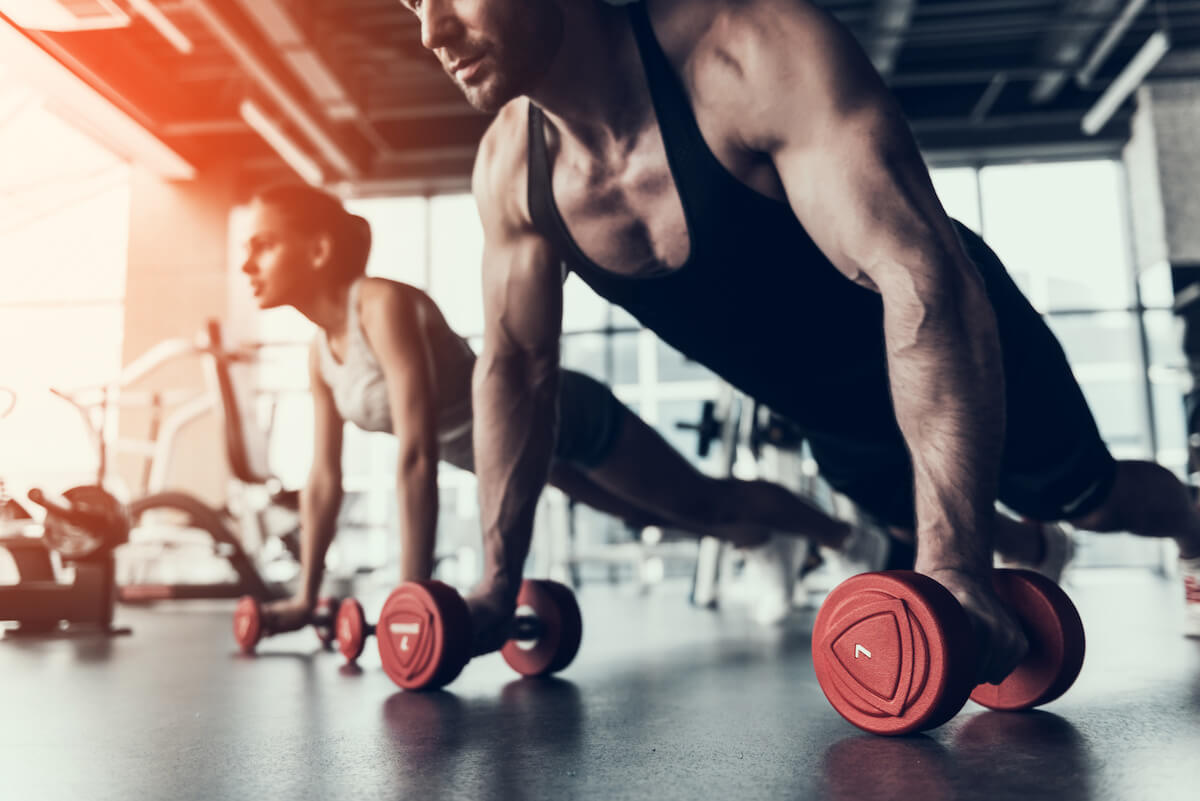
(1002, 648)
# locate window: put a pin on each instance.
(62, 306)
(1061, 228)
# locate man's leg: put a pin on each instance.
(1148, 500)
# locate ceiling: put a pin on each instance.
(348, 83)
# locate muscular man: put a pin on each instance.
(737, 176)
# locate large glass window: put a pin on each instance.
(1061, 227)
(64, 224)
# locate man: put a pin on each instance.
(737, 176)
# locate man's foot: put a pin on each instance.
(1058, 548)
(1190, 569)
(864, 550)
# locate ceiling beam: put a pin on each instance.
(1066, 47)
(886, 28)
(296, 47)
(87, 108)
(227, 34)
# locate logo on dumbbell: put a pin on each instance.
(405, 630)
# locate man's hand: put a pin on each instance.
(1000, 642)
(289, 615)
(492, 613)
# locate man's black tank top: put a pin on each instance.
(756, 302)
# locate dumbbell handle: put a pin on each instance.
(526, 627)
(315, 618)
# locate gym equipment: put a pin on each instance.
(424, 635)
(83, 528)
(709, 428)
(164, 521)
(894, 652)
(352, 629)
(424, 632)
(249, 627)
(772, 429)
(546, 630)
(720, 420)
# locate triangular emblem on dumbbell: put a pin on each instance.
(406, 637)
(878, 629)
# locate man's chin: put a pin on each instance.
(486, 98)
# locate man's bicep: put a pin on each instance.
(522, 290)
(866, 200)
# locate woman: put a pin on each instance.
(385, 359)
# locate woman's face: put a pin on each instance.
(284, 265)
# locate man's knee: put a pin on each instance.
(1105, 516)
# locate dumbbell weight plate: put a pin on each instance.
(893, 652)
(351, 629)
(554, 605)
(247, 623)
(1056, 642)
(424, 635)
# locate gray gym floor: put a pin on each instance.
(664, 702)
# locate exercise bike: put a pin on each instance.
(65, 566)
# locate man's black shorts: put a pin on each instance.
(1055, 466)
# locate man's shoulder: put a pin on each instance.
(499, 178)
(740, 58)
(696, 34)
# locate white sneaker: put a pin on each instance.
(1058, 550)
(770, 579)
(1190, 569)
(864, 551)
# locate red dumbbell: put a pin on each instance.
(352, 629)
(546, 629)
(894, 652)
(424, 632)
(249, 626)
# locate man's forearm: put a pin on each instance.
(515, 422)
(947, 384)
(417, 499)
(319, 505)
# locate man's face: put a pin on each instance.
(495, 50)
